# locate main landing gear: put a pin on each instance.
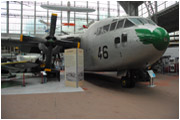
(133, 76)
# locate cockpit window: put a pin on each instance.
(106, 28)
(113, 25)
(136, 21)
(120, 24)
(151, 22)
(99, 30)
(141, 21)
(144, 21)
(128, 24)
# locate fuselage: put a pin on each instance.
(123, 43)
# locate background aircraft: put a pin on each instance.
(47, 28)
(67, 8)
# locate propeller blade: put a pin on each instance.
(65, 44)
(30, 39)
(53, 25)
(43, 56)
(59, 56)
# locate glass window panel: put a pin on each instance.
(128, 24)
(81, 17)
(3, 16)
(142, 20)
(14, 17)
(113, 9)
(122, 12)
(92, 15)
(28, 17)
(106, 28)
(169, 3)
(113, 25)
(136, 21)
(160, 5)
(103, 10)
(151, 22)
(41, 14)
(120, 24)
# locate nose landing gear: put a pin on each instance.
(133, 76)
(127, 83)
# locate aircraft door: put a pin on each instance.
(124, 39)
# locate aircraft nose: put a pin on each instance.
(159, 37)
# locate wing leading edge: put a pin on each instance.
(67, 8)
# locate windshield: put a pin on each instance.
(151, 22)
(128, 24)
(136, 21)
(141, 21)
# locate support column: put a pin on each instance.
(34, 17)
(21, 17)
(87, 12)
(130, 8)
(155, 16)
(7, 18)
(74, 17)
(165, 5)
(59, 21)
(118, 11)
(61, 16)
(155, 6)
(47, 13)
(97, 10)
(108, 9)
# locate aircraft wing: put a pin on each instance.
(30, 47)
(30, 44)
(65, 8)
(8, 41)
(17, 66)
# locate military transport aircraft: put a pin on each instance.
(67, 8)
(125, 44)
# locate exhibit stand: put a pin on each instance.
(74, 67)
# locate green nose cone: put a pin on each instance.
(159, 37)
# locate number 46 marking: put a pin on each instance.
(103, 53)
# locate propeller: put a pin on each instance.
(53, 25)
(45, 44)
(49, 45)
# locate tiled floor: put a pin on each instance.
(33, 85)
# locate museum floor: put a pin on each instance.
(102, 97)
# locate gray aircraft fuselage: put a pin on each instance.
(112, 44)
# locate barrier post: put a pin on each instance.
(24, 80)
(42, 78)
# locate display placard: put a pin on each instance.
(151, 74)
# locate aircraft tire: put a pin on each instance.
(127, 83)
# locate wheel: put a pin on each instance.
(127, 83)
(133, 83)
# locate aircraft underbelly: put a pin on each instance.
(141, 56)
